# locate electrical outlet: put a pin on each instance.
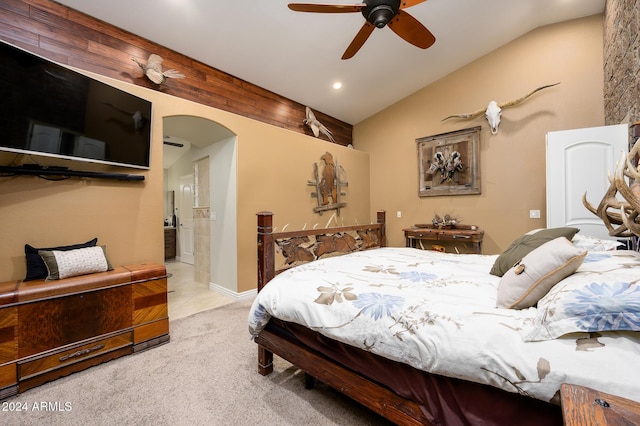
(534, 214)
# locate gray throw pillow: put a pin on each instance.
(525, 244)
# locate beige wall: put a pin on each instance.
(512, 162)
(273, 170)
(274, 166)
(121, 214)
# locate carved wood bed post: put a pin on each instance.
(266, 262)
(381, 218)
(266, 270)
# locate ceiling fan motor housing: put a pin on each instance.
(380, 12)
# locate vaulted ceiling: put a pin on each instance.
(298, 55)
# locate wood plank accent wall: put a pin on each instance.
(69, 37)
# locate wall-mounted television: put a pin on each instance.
(49, 110)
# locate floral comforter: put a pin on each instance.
(437, 312)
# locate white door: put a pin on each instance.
(185, 219)
(579, 161)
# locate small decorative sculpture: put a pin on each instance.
(493, 112)
(316, 127)
(328, 185)
(444, 222)
(153, 70)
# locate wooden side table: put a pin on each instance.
(461, 233)
(582, 406)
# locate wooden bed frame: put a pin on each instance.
(377, 398)
(302, 246)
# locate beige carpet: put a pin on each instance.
(207, 374)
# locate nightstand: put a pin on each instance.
(583, 406)
(463, 234)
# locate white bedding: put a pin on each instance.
(437, 312)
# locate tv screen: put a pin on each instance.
(47, 109)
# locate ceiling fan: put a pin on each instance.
(378, 14)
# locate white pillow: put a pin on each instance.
(69, 263)
(535, 274)
(590, 243)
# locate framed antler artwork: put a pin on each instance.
(448, 163)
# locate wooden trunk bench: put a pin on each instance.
(49, 329)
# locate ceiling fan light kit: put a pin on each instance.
(377, 14)
(380, 12)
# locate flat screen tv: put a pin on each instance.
(49, 110)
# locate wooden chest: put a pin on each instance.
(49, 329)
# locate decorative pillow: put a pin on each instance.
(69, 263)
(521, 246)
(603, 295)
(590, 243)
(532, 277)
(36, 269)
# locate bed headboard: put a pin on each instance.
(297, 247)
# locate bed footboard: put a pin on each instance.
(303, 246)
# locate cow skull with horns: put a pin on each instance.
(493, 111)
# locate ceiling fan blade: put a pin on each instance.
(410, 29)
(326, 8)
(358, 40)
(408, 3)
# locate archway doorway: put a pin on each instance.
(206, 150)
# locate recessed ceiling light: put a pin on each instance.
(337, 85)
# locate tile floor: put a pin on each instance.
(186, 296)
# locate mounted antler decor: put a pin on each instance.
(493, 111)
(621, 217)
